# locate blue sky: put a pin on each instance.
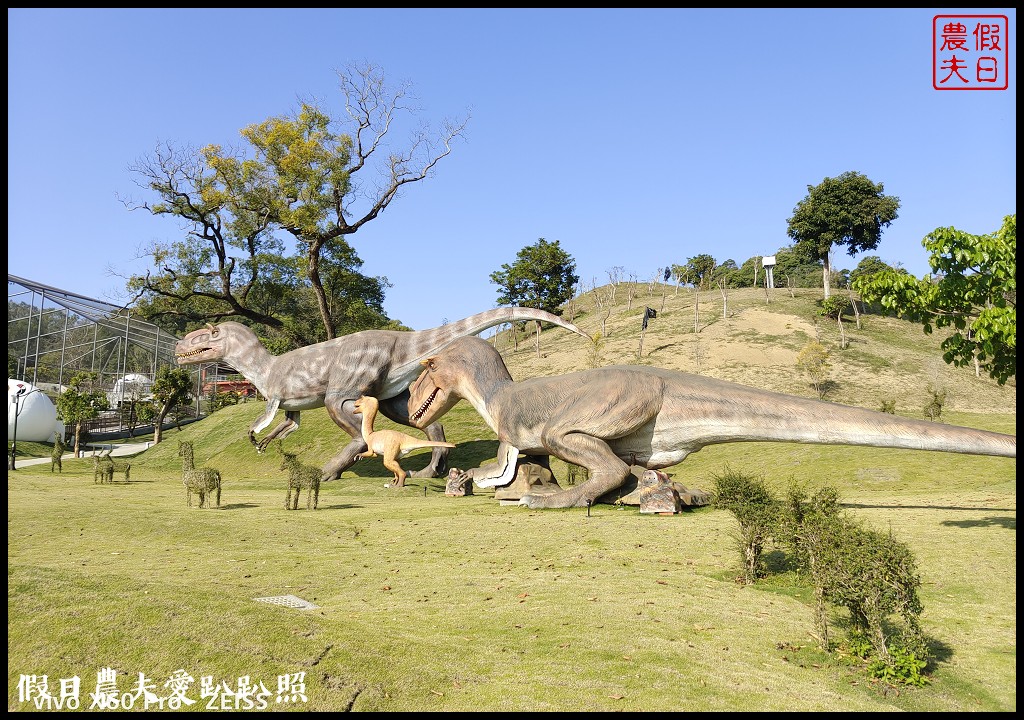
(636, 138)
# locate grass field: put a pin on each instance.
(432, 603)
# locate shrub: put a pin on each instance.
(871, 574)
(813, 360)
(756, 510)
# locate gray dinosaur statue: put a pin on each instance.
(609, 418)
(335, 373)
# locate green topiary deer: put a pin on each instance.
(59, 448)
(203, 481)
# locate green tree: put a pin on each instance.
(542, 277)
(171, 386)
(833, 308)
(701, 270)
(813, 360)
(302, 176)
(869, 266)
(848, 210)
(82, 400)
(975, 293)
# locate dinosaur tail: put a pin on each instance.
(804, 420)
(424, 343)
(437, 338)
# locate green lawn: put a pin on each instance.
(431, 603)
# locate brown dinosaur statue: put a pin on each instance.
(334, 373)
(609, 418)
(389, 444)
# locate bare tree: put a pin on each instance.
(304, 176)
(856, 310)
(615, 277)
(724, 289)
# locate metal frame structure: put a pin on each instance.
(53, 334)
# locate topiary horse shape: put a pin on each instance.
(389, 444)
(203, 481)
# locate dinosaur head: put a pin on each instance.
(207, 344)
(470, 368)
(365, 405)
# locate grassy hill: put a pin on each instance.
(431, 603)
(757, 342)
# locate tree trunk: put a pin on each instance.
(78, 438)
(826, 278)
(318, 288)
(856, 311)
(158, 424)
(537, 338)
(696, 309)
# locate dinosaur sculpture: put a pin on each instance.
(609, 418)
(334, 373)
(389, 444)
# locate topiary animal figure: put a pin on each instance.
(102, 469)
(113, 466)
(203, 481)
(300, 477)
(59, 448)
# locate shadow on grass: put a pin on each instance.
(931, 507)
(1010, 523)
(466, 455)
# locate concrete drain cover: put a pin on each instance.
(288, 601)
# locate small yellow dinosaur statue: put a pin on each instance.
(389, 444)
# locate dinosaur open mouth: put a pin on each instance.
(426, 404)
(191, 353)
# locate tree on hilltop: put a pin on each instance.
(849, 210)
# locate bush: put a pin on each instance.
(755, 508)
(813, 360)
(871, 574)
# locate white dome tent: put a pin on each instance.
(36, 418)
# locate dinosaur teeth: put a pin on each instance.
(426, 404)
(191, 353)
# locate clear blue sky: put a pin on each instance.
(636, 138)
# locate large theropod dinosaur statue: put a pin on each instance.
(609, 418)
(335, 373)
